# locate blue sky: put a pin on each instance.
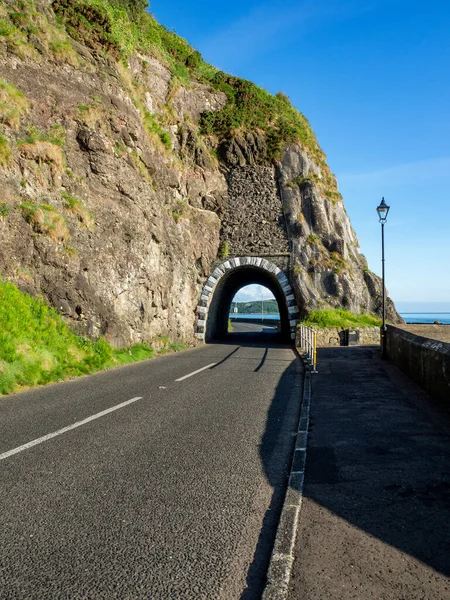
(253, 292)
(372, 77)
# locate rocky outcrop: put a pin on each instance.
(329, 269)
(289, 206)
(139, 224)
(114, 206)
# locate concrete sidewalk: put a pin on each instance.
(375, 519)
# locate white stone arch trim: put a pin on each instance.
(230, 265)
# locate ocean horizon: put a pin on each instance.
(271, 316)
(426, 317)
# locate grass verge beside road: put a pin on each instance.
(37, 346)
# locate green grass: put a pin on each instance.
(301, 179)
(37, 347)
(13, 104)
(5, 151)
(44, 219)
(55, 135)
(4, 210)
(341, 319)
(77, 208)
(313, 240)
(224, 249)
(122, 32)
(15, 29)
(251, 108)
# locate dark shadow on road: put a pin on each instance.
(263, 360)
(379, 456)
(276, 450)
(228, 356)
(250, 338)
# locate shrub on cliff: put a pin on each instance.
(133, 7)
(250, 107)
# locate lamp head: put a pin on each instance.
(382, 211)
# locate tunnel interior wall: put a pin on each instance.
(232, 282)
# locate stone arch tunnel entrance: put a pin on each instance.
(227, 279)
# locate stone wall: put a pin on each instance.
(425, 361)
(335, 336)
(253, 220)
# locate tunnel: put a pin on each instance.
(231, 276)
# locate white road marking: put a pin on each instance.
(195, 372)
(49, 436)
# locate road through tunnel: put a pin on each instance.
(227, 279)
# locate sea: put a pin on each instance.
(274, 316)
(410, 317)
(426, 317)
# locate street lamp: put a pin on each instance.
(382, 211)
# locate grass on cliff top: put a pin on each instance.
(37, 347)
(341, 319)
(124, 27)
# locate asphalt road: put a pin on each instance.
(241, 327)
(175, 495)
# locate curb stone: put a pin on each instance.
(282, 559)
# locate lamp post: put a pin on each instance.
(382, 211)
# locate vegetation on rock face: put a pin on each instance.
(251, 108)
(77, 208)
(56, 136)
(341, 319)
(44, 219)
(5, 151)
(224, 249)
(37, 347)
(13, 104)
(123, 27)
(4, 210)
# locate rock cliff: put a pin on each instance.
(122, 179)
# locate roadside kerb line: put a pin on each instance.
(49, 436)
(195, 372)
(282, 559)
